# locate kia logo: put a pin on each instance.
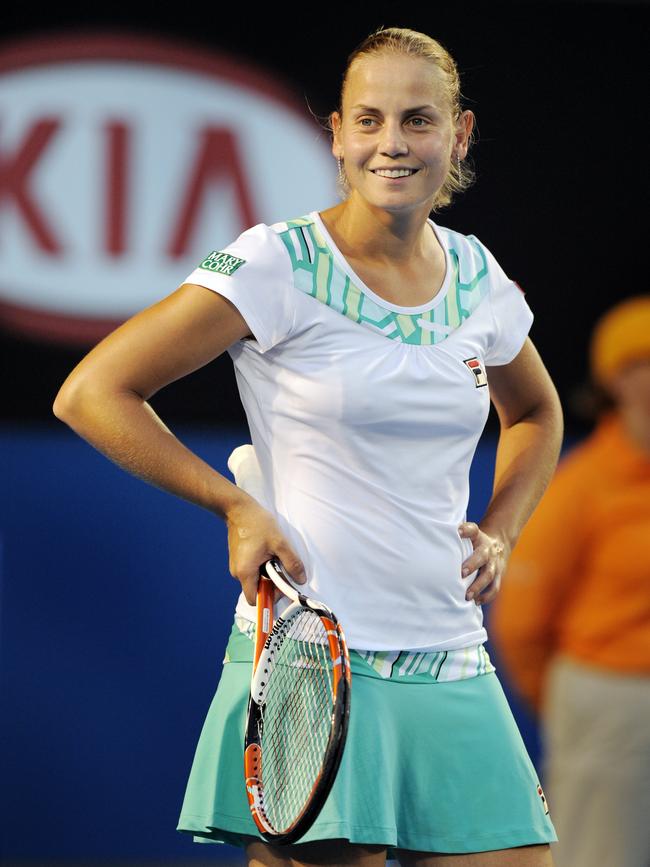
(124, 161)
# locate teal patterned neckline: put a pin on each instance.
(317, 272)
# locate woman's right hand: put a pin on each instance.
(254, 536)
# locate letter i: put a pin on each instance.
(118, 137)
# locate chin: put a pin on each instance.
(396, 206)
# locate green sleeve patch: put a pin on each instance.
(221, 263)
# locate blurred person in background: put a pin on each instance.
(572, 622)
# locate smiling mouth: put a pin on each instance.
(394, 174)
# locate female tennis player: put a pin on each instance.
(368, 342)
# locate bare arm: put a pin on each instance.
(104, 400)
(529, 446)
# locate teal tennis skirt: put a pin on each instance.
(428, 766)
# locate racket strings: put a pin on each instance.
(297, 718)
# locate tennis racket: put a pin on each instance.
(298, 709)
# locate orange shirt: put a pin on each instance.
(578, 581)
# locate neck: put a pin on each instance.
(363, 232)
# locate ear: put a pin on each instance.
(335, 122)
(464, 127)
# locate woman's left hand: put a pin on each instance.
(490, 556)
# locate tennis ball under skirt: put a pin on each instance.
(431, 767)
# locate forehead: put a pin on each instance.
(385, 80)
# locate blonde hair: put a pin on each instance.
(411, 43)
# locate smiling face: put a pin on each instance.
(397, 135)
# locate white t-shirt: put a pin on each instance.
(365, 417)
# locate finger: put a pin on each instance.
(478, 558)
(468, 530)
(247, 578)
(484, 578)
(249, 588)
(291, 562)
(490, 592)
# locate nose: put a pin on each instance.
(392, 141)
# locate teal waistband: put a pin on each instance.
(408, 666)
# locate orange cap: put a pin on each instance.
(620, 336)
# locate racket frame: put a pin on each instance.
(273, 574)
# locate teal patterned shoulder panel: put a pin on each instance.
(317, 273)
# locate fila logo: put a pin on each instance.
(540, 792)
(479, 374)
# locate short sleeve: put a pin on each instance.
(254, 273)
(510, 314)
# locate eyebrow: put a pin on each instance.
(406, 110)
